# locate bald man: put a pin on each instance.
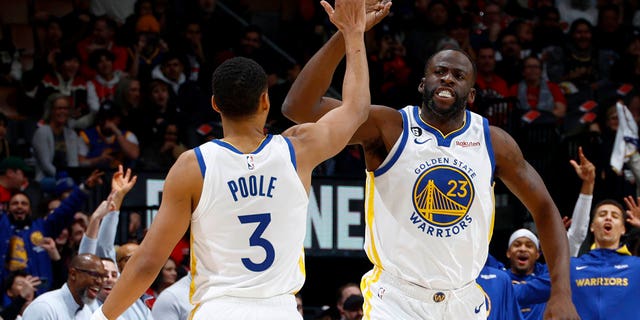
(73, 300)
(123, 253)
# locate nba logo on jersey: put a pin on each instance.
(250, 164)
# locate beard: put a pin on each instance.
(427, 99)
(85, 299)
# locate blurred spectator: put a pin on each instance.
(549, 41)
(389, 71)
(103, 37)
(116, 10)
(610, 34)
(10, 65)
(493, 21)
(572, 10)
(12, 177)
(523, 252)
(106, 145)
(50, 45)
(173, 302)
(581, 57)
(605, 280)
(147, 50)
(190, 103)
(164, 150)
(535, 93)
(459, 29)
(627, 68)
(19, 291)
(250, 45)
(101, 89)
(491, 89)
(67, 81)
(199, 68)
(167, 276)
(523, 29)
(76, 25)
(22, 234)
(128, 30)
(215, 25)
(157, 110)
(55, 145)
(124, 253)
(509, 66)
(353, 307)
(74, 299)
(299, 304)
(345, 292)
(127, 99)
(423, 32)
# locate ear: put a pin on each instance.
(508, 254)
(421, 86)
(264, 100)
(214, 105)
(471, 97)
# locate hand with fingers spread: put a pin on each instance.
(121, 184)
(349, 16)
(633, 211)
(585, 169)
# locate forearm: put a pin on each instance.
(580, 223)
(107, 235)
(138, 275)
(356, 94)
(313, 81)
(554, 244)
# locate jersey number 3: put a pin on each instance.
(263, 220)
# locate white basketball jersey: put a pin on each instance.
(248, 229)
(430, 205)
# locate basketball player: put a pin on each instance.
(246, 195)
(429, 195)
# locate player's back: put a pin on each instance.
(249, 226)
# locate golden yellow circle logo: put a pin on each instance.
(443, 195)
(36, 238)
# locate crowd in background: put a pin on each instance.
(92, 85)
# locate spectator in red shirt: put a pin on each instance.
(535, 93)
(102, 38)
(12, 177)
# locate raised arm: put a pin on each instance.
(180, 195)
(524, 182)
(121, 183)
(633, 211)
(89, 239)
(316, 142)
(576, 234)
(305, 101)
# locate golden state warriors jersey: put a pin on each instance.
(248, 229)
(430, 205)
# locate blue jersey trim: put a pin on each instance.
(403, 142)
(292, 152)
(443, 140)
(487, 141)
(234, 149)
(266, 140)
(203, 166)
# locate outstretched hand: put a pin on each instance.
(376, 11)
(121, 184)
(585, 169)
(633, 211)
(348, 15)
